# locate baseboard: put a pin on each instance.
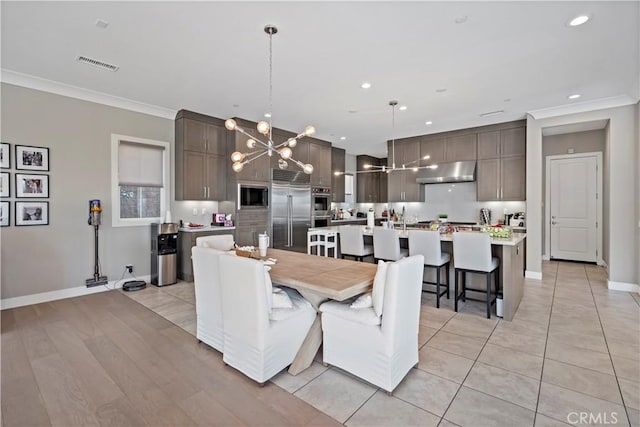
(623, 286)
(63, 293)
(536, 275)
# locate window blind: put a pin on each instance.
(140, 165)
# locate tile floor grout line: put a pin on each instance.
(544, 352)
(624, 405)
(470, 369)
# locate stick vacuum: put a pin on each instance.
(95, 213)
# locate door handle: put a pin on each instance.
(553, 223)
(204, 192)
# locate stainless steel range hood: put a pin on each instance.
(448, 172)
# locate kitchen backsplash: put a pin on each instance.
(458, 201)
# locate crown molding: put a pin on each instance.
(583, 107)
(37, 83)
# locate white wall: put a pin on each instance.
(622, 146)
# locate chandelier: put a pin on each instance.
(393, 167)
(265, 128)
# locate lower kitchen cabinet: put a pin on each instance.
(250, 223)
(187, 240)
(501, 179)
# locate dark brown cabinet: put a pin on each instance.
(320, 155)
(402, 186)
(337, 180)
(250, 223)
(200, 157)
(187, 240)
(460, 147)
(434, 148)
(368, 180)
(501, 166)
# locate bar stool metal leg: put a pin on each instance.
(448, 280)
(455, 290)
(489, 295)
(437, 287)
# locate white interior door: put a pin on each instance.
(573, 207)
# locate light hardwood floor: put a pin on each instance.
(104, 359)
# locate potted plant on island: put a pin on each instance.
(443, 217)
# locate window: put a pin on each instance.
(139, 180)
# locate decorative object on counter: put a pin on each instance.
(219, 219)
(498, 231)
(443, 217)
(265, 128)
(485, 216)
(370, 218)
(167, 217)
(245, 251)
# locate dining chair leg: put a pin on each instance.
(489, 295)
(448, 279)
(455, 290)
(437, 287)
(464, 286)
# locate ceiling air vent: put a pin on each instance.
(97, 63)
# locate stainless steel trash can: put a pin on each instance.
(164, 254)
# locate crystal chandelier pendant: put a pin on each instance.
(268, 147)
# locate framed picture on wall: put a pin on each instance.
(32, 185)
(5, 184)
(32, 213)
(5, 214)
(32, 158)
(5, 155)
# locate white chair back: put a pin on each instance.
(386, 244)
(427, 244)
(472, 251)
(222, 242)
(352, 240)
(206, 278)
(402, 299)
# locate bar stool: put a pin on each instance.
(472, 254)
(386, 245)
(352, 243)
(427, 244)
(322, 239)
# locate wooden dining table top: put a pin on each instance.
(331, 278)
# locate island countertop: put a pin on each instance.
(513, 241)
(201, 229)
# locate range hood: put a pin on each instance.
(448, 172)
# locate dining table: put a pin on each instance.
(318, 279)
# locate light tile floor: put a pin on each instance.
(573, 347)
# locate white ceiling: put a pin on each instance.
(212, 57)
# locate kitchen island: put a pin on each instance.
(511, 253)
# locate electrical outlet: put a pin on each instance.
(129, 268)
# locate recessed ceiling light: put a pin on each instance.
(428, 123)
(235, 105)
(267, 115)
(365, 85)
(578, 20)
(441, 90)
(101, 24)
(342, 138)
(352, 111)
(461, 19)
(574, 96)
(402, 108)
(507, 100)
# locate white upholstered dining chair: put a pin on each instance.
(206, 280)
(222, 242)
(352, 243)
(472, 254)
(380, 349)
(259, 341)
(427, 244)
(386, 245)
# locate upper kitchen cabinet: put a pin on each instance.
(502, 143)
(337, 174)
(320, 156)
(460, 147)
(200, 157)
(434, 148)
(368, 183)
(502, 179)
(402, 186)
(257, 170)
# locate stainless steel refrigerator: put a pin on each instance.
(290, 210)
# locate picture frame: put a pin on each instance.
(5, 184)
(32, 213)
(5, 214)
(32, 158)
(32, 185)
(5, 155)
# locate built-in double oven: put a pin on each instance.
(320, 206)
